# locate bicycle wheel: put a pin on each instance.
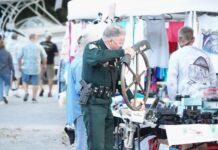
(135, 75)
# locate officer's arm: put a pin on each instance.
(94, 56)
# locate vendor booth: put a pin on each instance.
(157, 22)
(175, 10)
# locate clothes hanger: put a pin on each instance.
(170, 17)
(145, 18)
(99, 18)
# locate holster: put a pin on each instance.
(86, 91)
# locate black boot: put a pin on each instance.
(41, 92)
(5, 100)
(71, 134)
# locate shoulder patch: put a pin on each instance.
(92, 46)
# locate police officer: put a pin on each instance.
(101, 70)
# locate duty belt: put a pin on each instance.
(102, 92)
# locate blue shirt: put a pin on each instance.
(75, 74)
(32, 54)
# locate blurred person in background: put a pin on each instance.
(6, 72)
(30, 58)
(74, 114)
(51, 51)
(190, 70)
(14, 46)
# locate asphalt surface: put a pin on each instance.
(35, 126)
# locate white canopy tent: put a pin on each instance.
(157, 7)
(89, 9)
(86, 9)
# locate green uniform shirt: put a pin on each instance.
(95, 63)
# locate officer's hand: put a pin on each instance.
(130, 51)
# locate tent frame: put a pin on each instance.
(11, 9)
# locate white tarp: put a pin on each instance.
(86, 9)
(157, 7)
(191, 133)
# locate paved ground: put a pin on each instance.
(35, 126)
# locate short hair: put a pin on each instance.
(14, 36)
(112, 31)
(186, 33)
(48, 36)
(32, 36)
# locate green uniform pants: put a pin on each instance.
(99, 123)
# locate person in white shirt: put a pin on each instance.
(190, 69)
(14, 47)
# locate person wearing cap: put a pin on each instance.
(190, 69)
(51, 51)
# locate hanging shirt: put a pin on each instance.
(190, 69)
(129, 34)
(172, 33)
(68, 50)
(155, 33)
(208, 37)
(75, 74)
(191, 21)
(134, 32)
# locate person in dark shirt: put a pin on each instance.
(51, 51)
(6, 71)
